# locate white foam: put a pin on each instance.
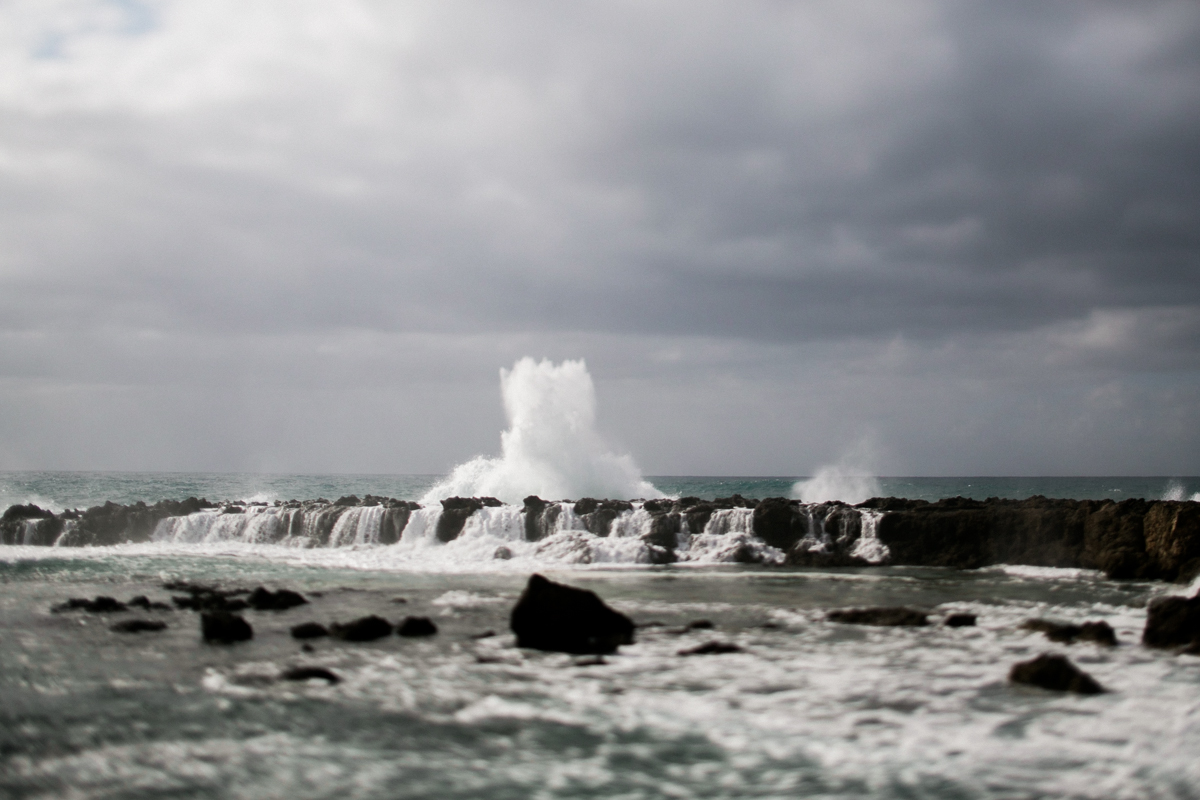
(551, 447)
(1176, 491)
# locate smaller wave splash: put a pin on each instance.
(551, 447)
(1177, 492)
(478, 531)
(838, 483)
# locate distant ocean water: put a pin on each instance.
(62, 490)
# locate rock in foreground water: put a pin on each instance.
(553, 616)
(363, 629)
(1056, 673)
(221, 627)
(1172, 622)
(883, 615)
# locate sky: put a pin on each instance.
(931, 238)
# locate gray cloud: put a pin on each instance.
(971, 231)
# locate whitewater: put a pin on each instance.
(741, 681)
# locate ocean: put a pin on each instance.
(791, 703)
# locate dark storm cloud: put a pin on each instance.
(908, 199)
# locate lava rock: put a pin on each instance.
(222, 627)
(1098, 632)
(143, 602)
(363, 629)
(416, 626)
(555, 617)
(1056, 673)
(1172, 622)
(262, 599)
(960, 621)
(310, 673)
(139, 626)
(882, 615)
(712, 649)
(99, 605)
(309, 630)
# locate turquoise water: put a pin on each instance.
(59, 490)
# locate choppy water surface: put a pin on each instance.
(810, 708)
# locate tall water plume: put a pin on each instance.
(551, 447)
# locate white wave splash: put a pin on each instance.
(1176, 491)
(551, 447)
(838, 482)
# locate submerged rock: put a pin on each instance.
(99, 605)
(416, 626)
(310, 673)
(222, 627)
(880, 615)
(144, 602)
(712, 649)
(555, 617)
(363, 629)
(262, 599)
(1098, 632)
(1172, 622)
(139, 626)
(309, 630)
(1056, 673)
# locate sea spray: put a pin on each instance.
(551, 447)
(837, 482)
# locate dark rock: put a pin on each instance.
(221, 627)
(959, 620)
(502, 553)
(711, 649)
(310, 673)
(416, 626)
(139, 625)
(883, 615)
(262, 599)
(364, 629)
(1098, 632)
(777, 522)
(400, 600)
(143, 602)
(1172, 622)
(597, 515)
(99, 605)
(658, 506)
(589, 661)
(309, 630)
(352, 500)
(484, 635)
(535, 508)
(456, 510)
(700, 625)
(556, 617)
(307, 648)
(20, 513)
(1054, 672)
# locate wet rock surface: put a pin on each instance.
(1098, 632)
(556, 617)
(891, 616)
(1172, 622)
(961, 620)
(262, 599)
(139, 626)
(310, 673)
(1056, 673)
(222, 627)
(309, 630)
(363, 629)
(416, 626)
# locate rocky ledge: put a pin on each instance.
(1131, 539)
